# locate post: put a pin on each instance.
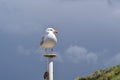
(50, 64)
(50, 69)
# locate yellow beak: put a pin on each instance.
(56, 31)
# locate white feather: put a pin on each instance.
(49, 40)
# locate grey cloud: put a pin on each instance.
(17, 17)
(25, 17)
(77, 54)
(115, 60)
(91, 57)
(28, 51)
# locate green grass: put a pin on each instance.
(106, 74)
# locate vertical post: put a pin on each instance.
(50, 64)
(50, 69)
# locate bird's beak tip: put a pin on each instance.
(56, 31)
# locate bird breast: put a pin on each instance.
(49, 43)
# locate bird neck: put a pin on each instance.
(51, 34)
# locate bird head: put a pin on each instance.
(51, 30)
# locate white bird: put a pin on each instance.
(49, 40)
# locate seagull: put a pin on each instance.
(49, 40)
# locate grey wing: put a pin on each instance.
(42, 41)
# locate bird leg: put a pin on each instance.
(52, 50)
(46, 51)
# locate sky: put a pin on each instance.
(88, 37)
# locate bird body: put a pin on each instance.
(49, 40)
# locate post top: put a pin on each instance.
(50, 55)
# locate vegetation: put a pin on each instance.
(107, 74)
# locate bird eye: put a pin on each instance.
(51, 30)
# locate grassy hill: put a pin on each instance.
(106, 74)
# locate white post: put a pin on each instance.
(50, 69)
(50, 64)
